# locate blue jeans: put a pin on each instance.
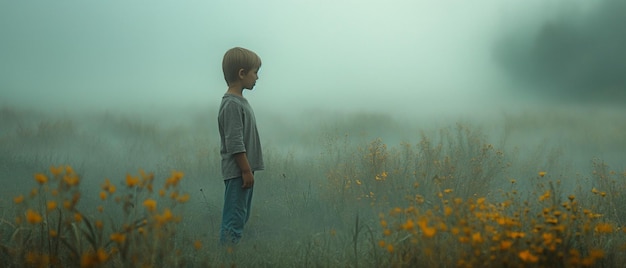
(236, 211)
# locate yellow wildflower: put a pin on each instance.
(604, 228)
(596, 254)
(542, 173)
(18, 199)
(165, 217)
(515, 235)
(447, 210)
(108, 186)
(505, 244)
(426, 230)
(78, 217)
(118, 238)
(131, 181)
(526, 256)
(408, 225)
(594, 190)
(51, 205)
(41, 178)
(102, 255)
(103, 195)
(150, 204)
(71, 179)
(477, 238)
(174, 179)
(33, 217)
(56, 171)
(184, 198)
(545, 195)
(197, 244)
(390, 248)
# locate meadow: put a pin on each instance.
(534, 188)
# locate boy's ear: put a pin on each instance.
(241, 73)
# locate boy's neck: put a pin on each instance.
(235, 90)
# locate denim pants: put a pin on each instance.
(236, 211)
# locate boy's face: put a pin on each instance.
(248, 80)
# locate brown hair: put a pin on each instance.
(238, 58)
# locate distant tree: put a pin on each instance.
(582, 57)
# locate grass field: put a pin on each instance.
(537, 188)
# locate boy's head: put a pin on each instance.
(237, 60)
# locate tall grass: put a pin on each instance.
(452, 196)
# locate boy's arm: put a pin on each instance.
(246, 171)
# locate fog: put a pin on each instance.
(113, 86)
(398, 57)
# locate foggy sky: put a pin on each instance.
(398, 56)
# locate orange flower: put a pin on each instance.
(408, 225)
(71, 179)
(174, 179)
(477, 238)
(165, 217)
(33, 217)
(78, 217)
(390, 248)
(103, 195)
(51, 205)
(197, 244)
(99, 224)
(131, 181)
(184, 198)
(426, 230)
(102, 255)
(18, 199)
(56, 171)
(604, 228)
(526, 256)
(505, 244)
(447, 210)
(41, 178)
(150, 204)
(118, 238)
(381, 243)
(542, 173)
(107, 186)
(596, 254)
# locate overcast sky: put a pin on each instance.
(323, 54)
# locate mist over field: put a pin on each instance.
(467, 96)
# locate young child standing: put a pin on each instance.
(240, 144)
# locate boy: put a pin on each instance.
(240, 144)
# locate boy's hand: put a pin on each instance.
(246, 173)
(248, 180)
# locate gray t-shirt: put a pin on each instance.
(238, 133)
